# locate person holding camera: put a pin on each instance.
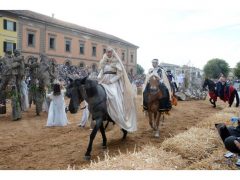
(230, 136)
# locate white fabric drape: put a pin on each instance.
(24, 96)
(120, 95)
(56, 113)
(85, 115)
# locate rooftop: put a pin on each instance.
(54, 21)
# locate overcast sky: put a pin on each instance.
(174, 31)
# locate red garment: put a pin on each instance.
(213, 95)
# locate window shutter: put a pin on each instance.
(15, 26)
(14, 46)
(5, 24)
(4, 46)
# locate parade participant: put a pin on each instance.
(120, 96)
(165, 102)
(56, 113)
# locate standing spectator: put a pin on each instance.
(24, 96)
(85, 115)
(56, 114)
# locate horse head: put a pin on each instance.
(211, 85)
(205, 84)
(154, 82)
(75, 95)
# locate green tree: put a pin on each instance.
(214, 67)
(140, 69)
(237, 70)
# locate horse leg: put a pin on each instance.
(212, 102)
(157, 124)
(99, 123)
(155, 120)
(163, 117)
(237, 98)
(124, 134)
(102, 130)
(232, 96)
(150, 119)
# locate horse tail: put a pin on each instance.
(237, 98)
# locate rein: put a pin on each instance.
(85, 97)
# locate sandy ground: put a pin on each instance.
(28, 144)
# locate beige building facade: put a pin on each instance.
(66, 42)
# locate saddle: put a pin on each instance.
(164, 102)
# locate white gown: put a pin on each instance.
(24, 96)
(125, 118)
(85, 115)
(56, 113)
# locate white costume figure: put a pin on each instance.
(85, 115)
(165, 103)
(120, 95)
(161, 74)
(24, 96)
(56, 114)
(180, 79)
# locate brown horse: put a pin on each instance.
(154, 97)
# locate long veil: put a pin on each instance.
(129, 103)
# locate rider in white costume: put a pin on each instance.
(120, 95)
(158, 71)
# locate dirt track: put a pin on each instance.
(28, 144)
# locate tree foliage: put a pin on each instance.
(237, 70)
(215, 67)
(140, 69)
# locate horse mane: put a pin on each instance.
(91, 87)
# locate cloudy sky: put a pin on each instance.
(174, 31)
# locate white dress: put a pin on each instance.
(24, 96)
(85, 115)
(56, 113)
(125, 118)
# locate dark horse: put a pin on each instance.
(228, 95)
(95, 95)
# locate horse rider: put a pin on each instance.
(165, 102)
(120, 95)
(172, 81)
(221, 85)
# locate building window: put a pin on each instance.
(9, 25)
(52, 43)
(67, 45)
(81, 65)
(131, 71)
(123, 56)
(94, 51)
(68, 62)
(82, 48)
(31, 39)
(8, 46)
(94, 67)
(131, 58)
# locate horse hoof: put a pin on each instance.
(123, 138)
(87, 158)
(157, 134)
(104, 146)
